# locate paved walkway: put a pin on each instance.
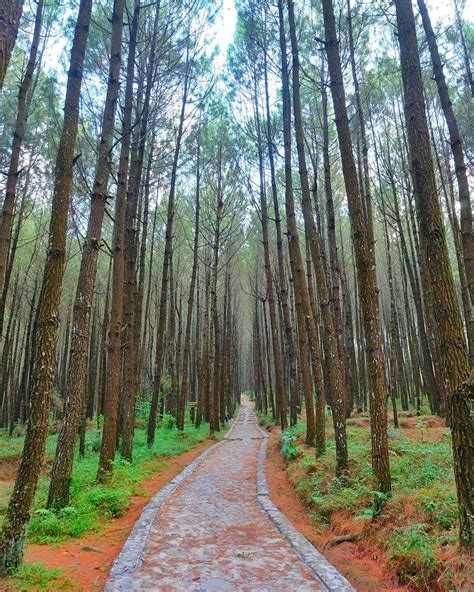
(214, 528)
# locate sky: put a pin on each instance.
(224, 30)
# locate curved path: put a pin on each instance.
(214, 528)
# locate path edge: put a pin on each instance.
(131, 555)
(320, 567)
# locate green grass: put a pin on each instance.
(418, 522)
(414, 549)
(92, 505)
(266, 420)
(34, 577)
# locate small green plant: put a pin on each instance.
(266, 420)
(366, 514)
(413, 550)
(35, 577)
(94, 445)
(143, 407)
(48, 526)
(440, 506)
(91, 505)
(290, 448)
(111, 501)
(423, 493)
(168, 422)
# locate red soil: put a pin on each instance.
(87, 561)
(361, 566)
(9, 467)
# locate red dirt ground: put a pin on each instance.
(87, 561)
(362, 568)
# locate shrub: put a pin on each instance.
(168, 422)
(90, 504)
(413, 551)
(50, 526)
(34, 576)
(417, 525)
(439, 506)
(266, 420)
(111, 501)
(290, 448)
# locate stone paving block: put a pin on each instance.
(214, 527)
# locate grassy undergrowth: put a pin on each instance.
(417, 530)
(36, 578)
(92, 505)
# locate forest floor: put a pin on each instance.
(413, 544)
(75, 550)
(217, 530)
(212, 525)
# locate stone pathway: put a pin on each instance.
(214, 528)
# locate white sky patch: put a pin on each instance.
(224, 30)
(220, 34)
(442, 11)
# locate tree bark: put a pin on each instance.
(335, 380)
(270, 294)
(465, 50)
(132, 320)
(10, 15)
(58, 496)
(457, 152)
(304, 314)
(18, 134)
(115, 342)
(365, 262)
(189, 314)
(166, 260)
(364, 178)
(282, 280)
(41, 382)
(449, 331)
(215, 330)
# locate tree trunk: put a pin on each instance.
(270, 295)
(334, 266)
(132, 311)
(189, 314)
(166, 260)
(365, 262)
(58, 496)
(282, 280)
(454, 362)
(465, 50)
(302, 302)
(456, 149)
(18, 134)
(171, 342)
(41, 383)
(215, 330)
(140, 330)
(10, 15)
(114, 344)
(335, 380)
(364, 178)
